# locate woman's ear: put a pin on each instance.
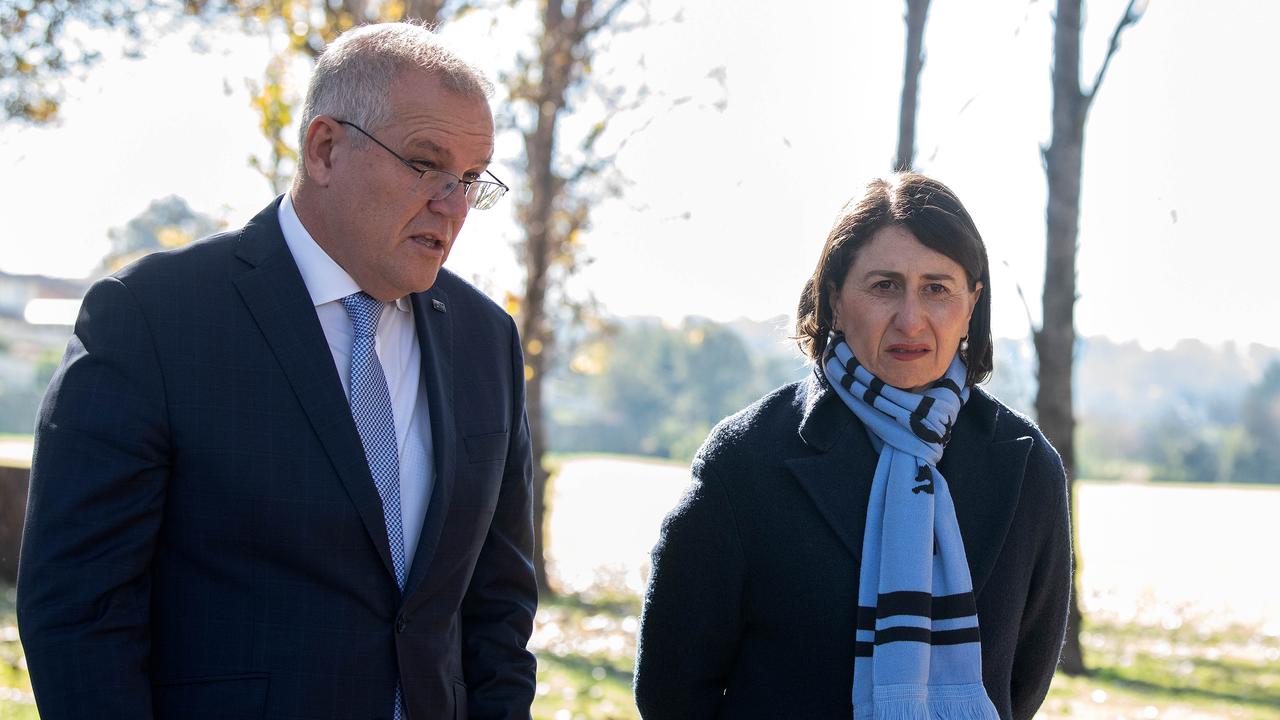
(977, 295)
(833, 304)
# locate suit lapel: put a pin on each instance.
(435, 337)
(838, 478)
(985, 479)
(277, 298)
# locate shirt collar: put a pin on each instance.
(326, 281)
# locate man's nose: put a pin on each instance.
(454, 205)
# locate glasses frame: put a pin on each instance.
(422, 172)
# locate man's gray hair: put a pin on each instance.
(352, 78)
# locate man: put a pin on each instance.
(285, 472)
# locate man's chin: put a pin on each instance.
(425, 280)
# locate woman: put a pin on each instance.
(883, 539)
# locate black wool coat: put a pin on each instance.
(751, 607)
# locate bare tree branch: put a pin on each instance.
(1130, 17)
(605, 17)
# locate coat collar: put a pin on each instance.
(985, 475)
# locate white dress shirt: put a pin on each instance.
(396, 344)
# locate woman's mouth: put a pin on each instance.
(906, 352)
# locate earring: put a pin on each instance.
(964, 344)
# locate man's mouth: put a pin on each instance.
(430, 241)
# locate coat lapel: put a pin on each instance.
(985, 479)
(837, 478)
(277, 298)
(435, 337)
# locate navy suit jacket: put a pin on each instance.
(751, 610)
(204, 539)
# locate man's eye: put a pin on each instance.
(423, 164)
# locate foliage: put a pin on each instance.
(167, 223)
(39, 47)
(274, 104)
(646, 388)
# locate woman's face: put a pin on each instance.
(903, 308)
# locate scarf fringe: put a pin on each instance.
(937, 702)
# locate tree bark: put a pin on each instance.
(425, 10)
(559, 61)
(1055, 340)
(917, 13)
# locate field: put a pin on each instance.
(1183, 604)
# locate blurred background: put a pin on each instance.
(675, 168)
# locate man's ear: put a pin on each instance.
(318, 149)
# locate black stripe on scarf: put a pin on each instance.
(904, 634)
(931, 637)
(945, 382)
(873, 391)
(920, 604)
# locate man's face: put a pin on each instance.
(384, 229)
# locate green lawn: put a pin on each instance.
(15, 689)
(585, 661)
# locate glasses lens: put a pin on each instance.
(483, 194)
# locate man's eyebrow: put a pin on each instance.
(442, 153)
(424, 145)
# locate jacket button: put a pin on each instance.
(401, 623)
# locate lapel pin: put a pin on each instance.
(438, 306)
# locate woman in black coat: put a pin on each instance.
(762, 603)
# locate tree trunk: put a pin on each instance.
(917, 12)
(539, 148)
(425, 10)
(543, 238)
(1055, 341)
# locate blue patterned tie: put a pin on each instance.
(371, 409)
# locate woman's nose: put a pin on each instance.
(910, 317)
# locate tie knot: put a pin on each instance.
(364, 311)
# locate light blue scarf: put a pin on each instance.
(918, 653)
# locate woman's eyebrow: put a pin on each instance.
(894, 275)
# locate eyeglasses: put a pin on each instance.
(440, 184)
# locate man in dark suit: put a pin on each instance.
(284, 472)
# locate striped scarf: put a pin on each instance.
(917, 654)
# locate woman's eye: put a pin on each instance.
(936, 289)
(883, 285)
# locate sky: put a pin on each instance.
(758, 126)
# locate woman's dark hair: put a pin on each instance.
(935, 216)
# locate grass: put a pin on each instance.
(1173, 670)
(16, 701)
(585, 652)
(586, 645)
